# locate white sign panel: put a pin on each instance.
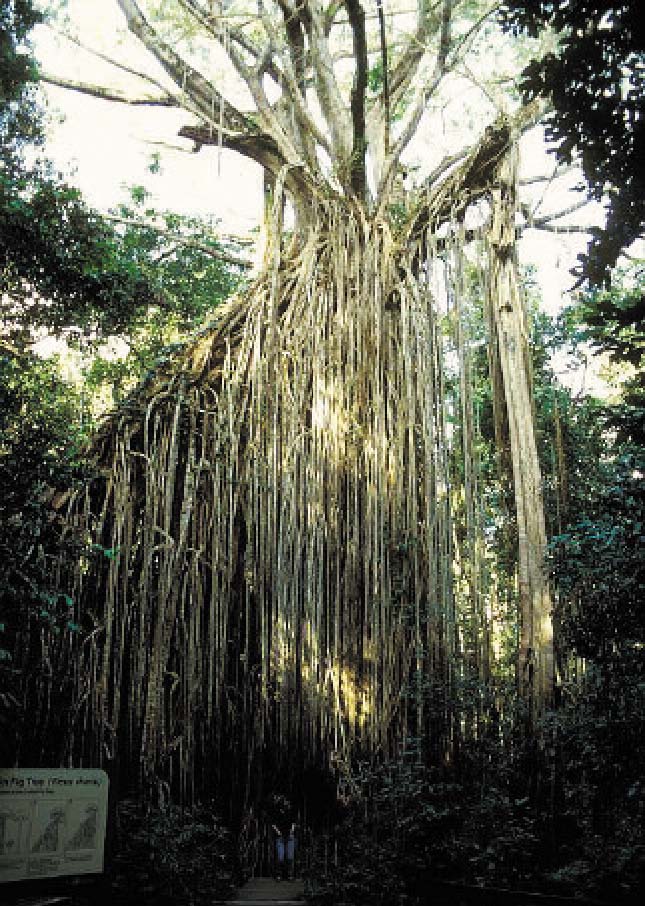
(52, 822)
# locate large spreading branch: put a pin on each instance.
(253, 77)
(425, 90)
(328, 91)
(267, 142)
(404, 70)
(295, 35)
(311, 114)
(260, 148)
(293, 103)
(226, 33)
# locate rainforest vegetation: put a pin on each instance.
(334, 534)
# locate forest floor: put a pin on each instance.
(58, 892)
(268, 892)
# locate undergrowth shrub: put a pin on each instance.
(509, 826)
(171, 854)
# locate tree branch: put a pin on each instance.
(474, 28)
(294, 81)
(261, 148)
(214, 27)
(444, 165)
(557, 172)
(294, 30)
(557, 228)
(385, 94)
(330, 14)
(575, 206)
(418, 106)
(108, 94)
(358, 178)
(187, 241)
(144, 76)
(472, 179)
(268, 115)
(329, 96)
(411, 57)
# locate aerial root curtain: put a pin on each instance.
(277, 517)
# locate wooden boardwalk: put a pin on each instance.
(268, 892)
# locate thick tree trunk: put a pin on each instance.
(510, 356)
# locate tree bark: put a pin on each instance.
(509, 344)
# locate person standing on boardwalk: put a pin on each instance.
(284, 829)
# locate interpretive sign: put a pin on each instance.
(52, 822)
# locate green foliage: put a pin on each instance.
(17, 18)
(598, 789)
(612, 321)
(599, 570)
(176, 258)
(38, 413)
(596, 84)
(375, 77)
(181, 856)
(66, 269)
(509, 812)
(37, 417)
(177, 255)
(596, 558)
(406, 820)
(19, 116)
(61, 266)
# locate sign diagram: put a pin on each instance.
(52, 822)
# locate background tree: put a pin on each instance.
(613, 322)
(53, 246)
(19, 120)
(39, 621)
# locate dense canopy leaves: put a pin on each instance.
(613, 322)
(60, 263)
(600, 570)
(19, 120)
(63, 266)
(595, 81)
